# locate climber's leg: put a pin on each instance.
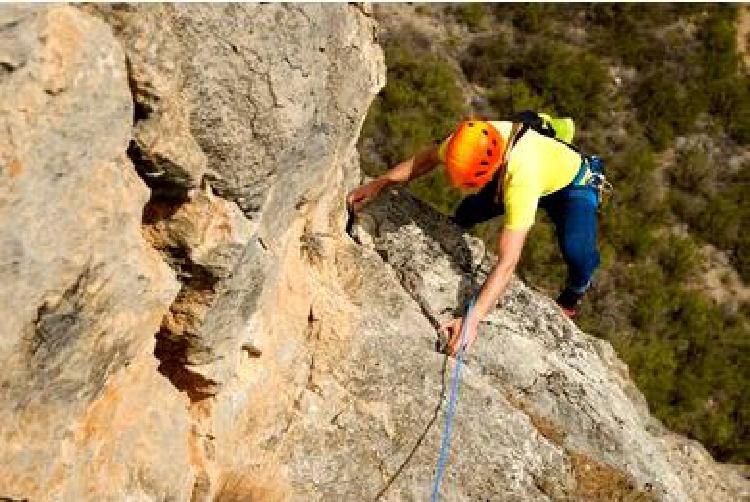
(573, 211)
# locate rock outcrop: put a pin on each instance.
(185, 317)
(240, 121)
(546, 412)
(82, 292)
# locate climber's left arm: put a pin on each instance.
(509, 246)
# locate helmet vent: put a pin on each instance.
(485, 163)
(480, 173)
(485, 132)
(494, 142)
(471, 124)
(489, 153)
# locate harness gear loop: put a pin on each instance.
(596, 179)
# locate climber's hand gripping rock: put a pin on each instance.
(453, 329)
(361, 196)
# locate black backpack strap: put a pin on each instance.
(531, 120)
(572, 147)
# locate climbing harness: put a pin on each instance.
(597, 180)
(445, 443)
(563, 130)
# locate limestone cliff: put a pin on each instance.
(185, 318)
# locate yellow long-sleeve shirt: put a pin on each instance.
(537, 166)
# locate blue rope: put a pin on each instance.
(446, 441)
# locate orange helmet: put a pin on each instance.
(474, 154)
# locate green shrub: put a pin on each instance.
(569, 81)
(629, 221)
(666, 107)
(514, 97)
(435, 189)
(637, 18)
(718, 215)
(485, 59)
(620, 35)
(692, 172)
(423, 10)
(421, 103)
(629, 233)
(488, 232)
(473, 15)
(742, 255)
(692, 363)
(718, 38)
(730, 102)
(628, 31)
(572, 82)
(533, 17)
(720, 73)
(678, 257)
(652, 362)
(690, 207)
(632, 171)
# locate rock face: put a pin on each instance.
(100, 274)
(546, 412)
(185, 318)
(82, 293)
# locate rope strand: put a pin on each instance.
(445, 443)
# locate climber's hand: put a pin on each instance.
(359, 197)
(453, 329)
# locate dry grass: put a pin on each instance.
(257, 484)
(596, 481)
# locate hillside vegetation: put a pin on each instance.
(661, 93)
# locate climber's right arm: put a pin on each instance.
(412, 168)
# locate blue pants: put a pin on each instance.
(572, 211)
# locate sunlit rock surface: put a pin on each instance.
(185, 317)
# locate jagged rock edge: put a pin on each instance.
(169, 353)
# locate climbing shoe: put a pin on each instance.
(568, 300)
(570, 313)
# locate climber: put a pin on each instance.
(509, 167)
